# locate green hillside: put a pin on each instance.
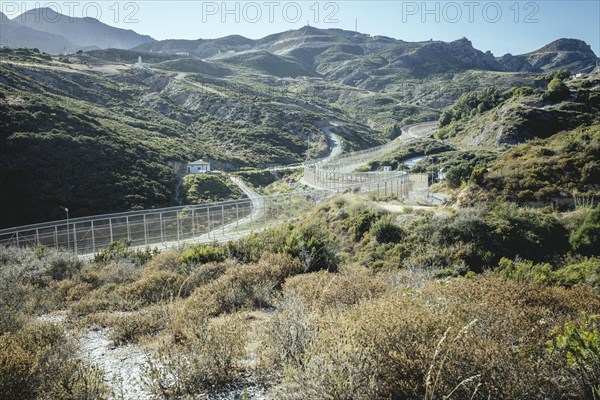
(75, 136)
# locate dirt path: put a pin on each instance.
(123, 366)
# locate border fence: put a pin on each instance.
(223, 221)
(167, 227)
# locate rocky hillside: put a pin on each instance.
(338, 54)
(572, 54)
(494, 118)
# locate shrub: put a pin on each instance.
(119, 250)
(557, 91)
(206, 362)
(28, 278)
(36, 266)
(202, 253)
(385, 230)
(579, 347)
(289, 334)
(130, 328)
(38, 362)
(585, 239)
(360, 219)
(323, 290)
(458, 175)
(307, 241)
(154, 287)
(241, 286)
(585, 272)
(107, 298)
(525, 271)
(529, 234)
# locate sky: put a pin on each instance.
(504, 26)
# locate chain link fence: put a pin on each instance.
(168, 227)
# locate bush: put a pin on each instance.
(529, 234)
(385, 230)
(38, 362)
(208, 361)
(154, 287)
(107, 298)
(28, 278)
(585, 272)
(201, 254)
(360, 219)
(585, 239)
(579, 347)
(307, 241)
(130, 328)
(324, 290)
(525, 271)
(557, 91)
(119, 251)
(241, 286)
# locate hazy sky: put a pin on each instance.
(498, 26)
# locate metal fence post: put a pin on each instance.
(37, 236)
(208, 221)
(110, 229)
(93, 238)
(75, 237)
(223, 218)
(162, 235)
(128, 231)
(145, 231)
(177, 220)
(193, 223)
(56, 236)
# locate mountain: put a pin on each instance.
(203, 48)
(572, 54)
(14, 34)
(364, 60)
(82, 32)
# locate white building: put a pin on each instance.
(198, 167)
(140, 63)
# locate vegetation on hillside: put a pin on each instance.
(490, 117)
(208, 188)
(351, 301)
(562, 167)
(98, 143)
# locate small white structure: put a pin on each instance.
(198, 167)
(183, 53)
(442, 174)
(387, 168)
(140, 64)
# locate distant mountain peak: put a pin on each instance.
(464, 41)
(566, 44)
(83, 33)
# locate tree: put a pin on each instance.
(445, 118)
